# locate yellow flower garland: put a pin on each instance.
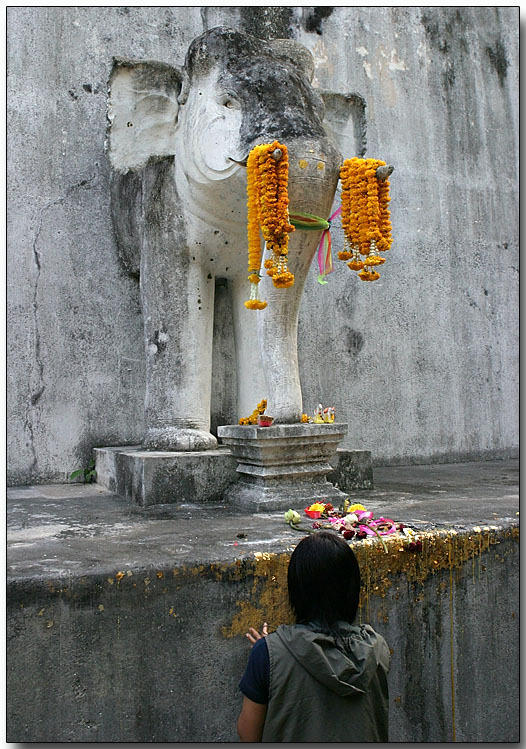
(267, 182)
(253, 418)
(365, 217)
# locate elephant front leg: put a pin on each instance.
(278, 334)
(178, 304)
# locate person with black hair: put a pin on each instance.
(323, 679)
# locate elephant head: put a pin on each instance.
(178, 144)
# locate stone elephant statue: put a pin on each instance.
(178, 140)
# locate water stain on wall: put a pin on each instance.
(497, 57)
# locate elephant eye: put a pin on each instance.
(228, 101)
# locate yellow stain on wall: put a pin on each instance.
(441, 550)
(269, 590)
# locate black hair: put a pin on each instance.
(324, 580)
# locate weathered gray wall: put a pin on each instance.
(423, 364)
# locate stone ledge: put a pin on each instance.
(67, 633)
(351, 469)
(50, 526)
(149, 478)
(282, 431)
(81, 560)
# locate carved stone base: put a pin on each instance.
(282, 466)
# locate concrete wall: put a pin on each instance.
(449, 615)
(422, 364)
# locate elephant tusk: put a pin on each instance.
(383, 172)
(241, 163)
(276, 155)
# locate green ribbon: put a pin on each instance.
(307, 222)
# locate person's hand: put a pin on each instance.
(253, 635)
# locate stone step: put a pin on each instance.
(151, 478)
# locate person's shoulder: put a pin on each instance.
(369, 631)
(363, 630)
(373, 639)
(284, 632)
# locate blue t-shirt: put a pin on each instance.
(256, 679)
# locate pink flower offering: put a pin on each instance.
(390, 523)
(375, 526)
(363, 515)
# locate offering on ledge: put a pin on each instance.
(353, 521)
(265, 421)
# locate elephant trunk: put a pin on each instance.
(313, 177)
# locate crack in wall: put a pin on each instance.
(37, 391)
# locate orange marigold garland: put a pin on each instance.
(365, 217)
(253, 418)
(267, 183)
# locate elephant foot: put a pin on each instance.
(177, 439)
(285, 415)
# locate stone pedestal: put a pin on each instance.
(282, 466)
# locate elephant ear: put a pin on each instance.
(345, 122)
(142, 110)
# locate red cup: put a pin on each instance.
(265, 421)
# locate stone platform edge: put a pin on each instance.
(205, 609)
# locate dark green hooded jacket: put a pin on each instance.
(323, 690)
